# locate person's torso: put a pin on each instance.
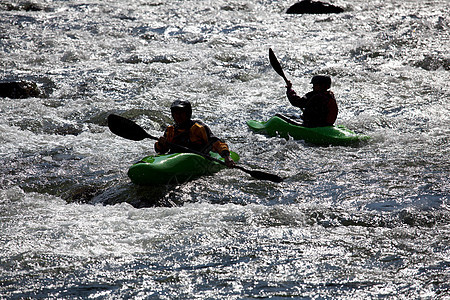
(320, 109)
(194, 135)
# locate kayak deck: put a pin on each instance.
(174, 168)
(327, 135)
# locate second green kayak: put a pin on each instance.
(323, 136)
(174, 168)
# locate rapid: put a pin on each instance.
(364, 222)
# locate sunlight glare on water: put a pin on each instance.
(367, 221)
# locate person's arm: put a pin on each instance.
(161, 145)
(222, 148)
(202, 131)
(293, 98)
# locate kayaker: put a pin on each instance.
(319, 106)
(189, 133)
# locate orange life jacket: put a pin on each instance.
(196, 135)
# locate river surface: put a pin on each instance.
(364, 222)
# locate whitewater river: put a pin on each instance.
(371, 221)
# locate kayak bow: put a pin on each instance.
(174, 168)
(323, 136)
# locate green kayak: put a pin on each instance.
(174, 168)
(324, 136)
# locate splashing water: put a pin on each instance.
(348, 222)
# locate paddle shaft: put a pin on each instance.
(128, 129)
(190, 150)
(277, 67)
(253, 173)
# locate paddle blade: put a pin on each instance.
(265, 176)
(276, 64)
(261, 175)
(126, 128)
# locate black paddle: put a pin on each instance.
(276, 65)
(129, 130)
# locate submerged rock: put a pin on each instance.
(19, 89)
(316, 7)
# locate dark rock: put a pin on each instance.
(433, 63)
(26, 6)
(19, 89)
(317, 7)
(81, 194)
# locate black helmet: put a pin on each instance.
(321, 79)
(182, 105)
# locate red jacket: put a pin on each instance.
(319, 108)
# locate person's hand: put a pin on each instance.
(229, 162)
(288, 85)
(162, 141)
